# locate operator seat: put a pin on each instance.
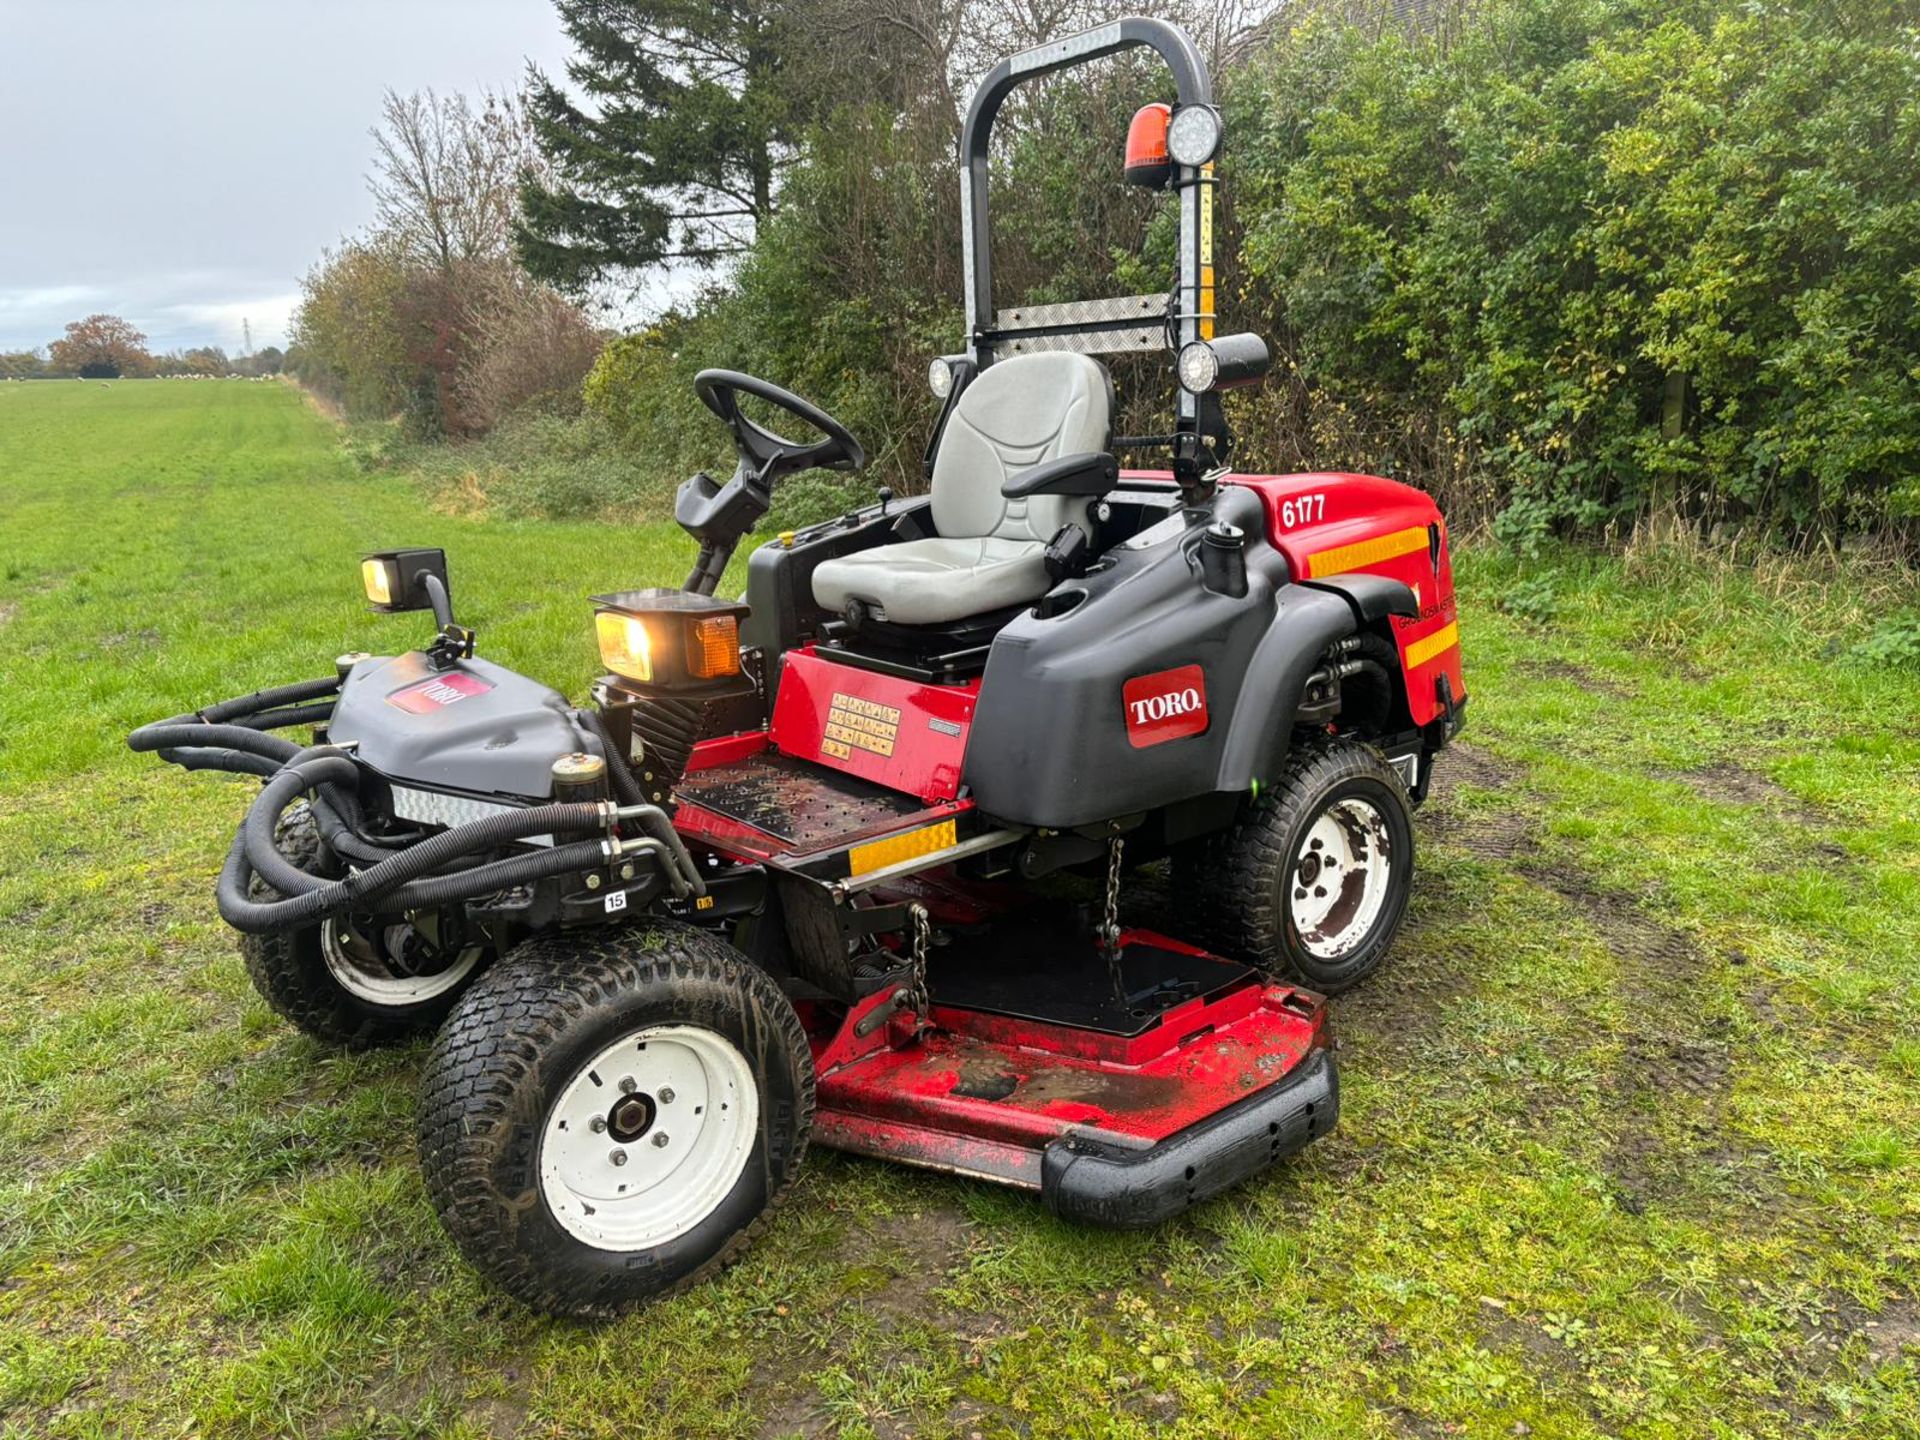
(988, 551)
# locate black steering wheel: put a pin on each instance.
(767, 455)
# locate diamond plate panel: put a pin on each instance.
(1114, 310)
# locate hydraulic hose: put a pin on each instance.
(262, 700)
(322, 765)
(317, 714)
(260, 917)
(183, 732)
(653, 820)
(234, 762)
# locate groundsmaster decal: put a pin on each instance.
(856, 724)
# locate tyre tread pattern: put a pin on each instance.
(1232, 885)
(495, 1048)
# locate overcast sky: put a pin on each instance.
(182, 162)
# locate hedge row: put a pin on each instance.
(1561, 262)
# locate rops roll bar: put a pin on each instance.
(1193, 299)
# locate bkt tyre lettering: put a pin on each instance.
(1166, 705)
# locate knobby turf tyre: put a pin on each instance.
(1237, 890)
(289, 967)
(527, 1037)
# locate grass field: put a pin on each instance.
(1632, 1130)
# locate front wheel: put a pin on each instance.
(1313, 883)
(606, 1119)
(358, 981)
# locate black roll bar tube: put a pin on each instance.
(1192, 86)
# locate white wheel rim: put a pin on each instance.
(1337, 885)
(649, 1137)
(356, 965)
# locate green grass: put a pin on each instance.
(1631, 1144)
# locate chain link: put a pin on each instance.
(1110, 920)
(916, 989)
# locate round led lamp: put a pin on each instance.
(1193, 135)
(1198, 367)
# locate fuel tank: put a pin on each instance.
(473, 726)
(1137, 686)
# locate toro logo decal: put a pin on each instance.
(1165, 705)
(436, 693)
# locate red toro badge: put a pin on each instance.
(1165, 705)
(423, 697)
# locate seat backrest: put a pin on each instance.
(1014, 415)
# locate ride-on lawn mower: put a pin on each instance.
(795, 873)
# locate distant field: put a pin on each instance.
(1631, 1144)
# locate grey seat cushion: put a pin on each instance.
(1015, 415)
(930, 582)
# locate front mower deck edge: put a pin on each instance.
(1205, 1077)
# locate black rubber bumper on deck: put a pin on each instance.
(1099, 1184)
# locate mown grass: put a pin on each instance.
(1632, 1120)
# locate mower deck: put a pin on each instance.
(1119, 1110)
(1124, 1090)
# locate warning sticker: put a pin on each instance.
(856, 724)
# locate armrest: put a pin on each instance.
(1094, 473)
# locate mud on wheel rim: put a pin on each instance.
(1338, 883)
(648, 1137)
(362, 964)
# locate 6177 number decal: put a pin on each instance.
(1303, 511)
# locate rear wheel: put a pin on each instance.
(359, 981)
(1313, 883)
(605, 1119)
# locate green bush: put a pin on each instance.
(1610, 254)
(536, 466)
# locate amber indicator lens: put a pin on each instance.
(713, 647)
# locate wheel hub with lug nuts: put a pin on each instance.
(625, 1200)
(1341, 876)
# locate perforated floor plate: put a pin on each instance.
(807, 806)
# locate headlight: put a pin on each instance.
(398, 579)
(669, 639)
(1223, 363)
(381, 578)
(625, 648)
(1193, 135)
(1198, 367)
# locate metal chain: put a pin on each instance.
(1110, 920)
(1110, 917)
(916, 990)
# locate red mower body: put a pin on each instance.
(1329, 524)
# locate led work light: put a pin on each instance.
(1223, 364)
(397, 580)
(1193, 135)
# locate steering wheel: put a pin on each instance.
(767, 455)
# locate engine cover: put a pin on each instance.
(475, 726)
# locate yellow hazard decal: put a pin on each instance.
(1363, 553)
(1438, 643)
(856, 724)
(878, 854)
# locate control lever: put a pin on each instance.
(1066, 553)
